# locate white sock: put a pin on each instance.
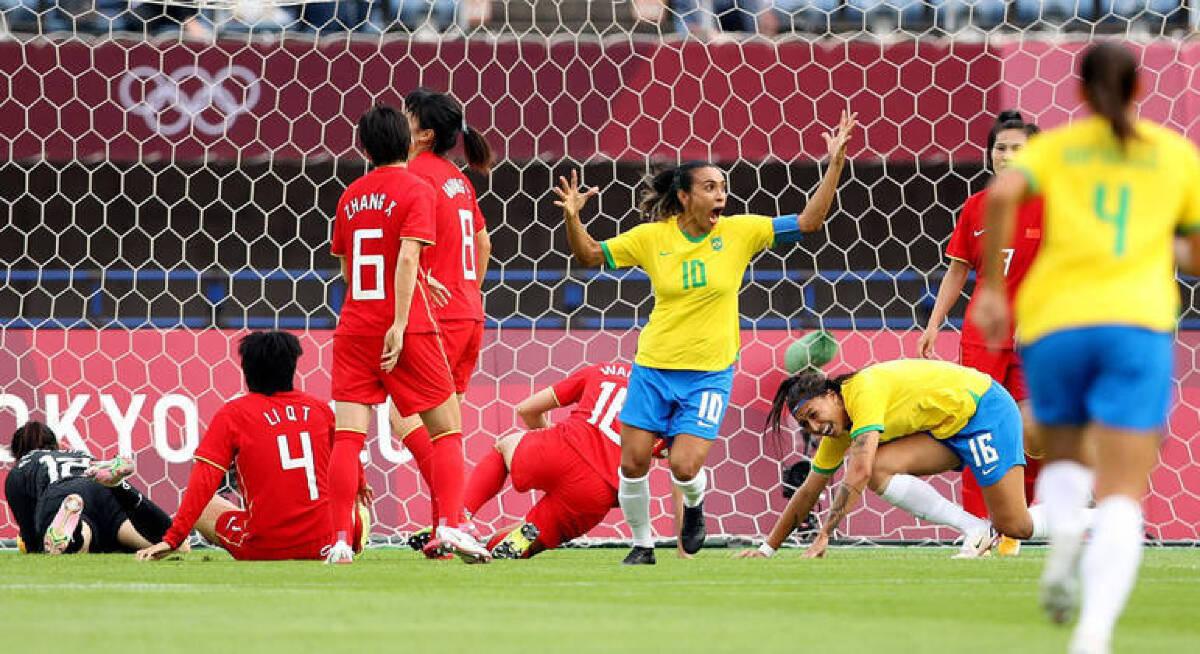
(1041, 522)
(1110, 565)
(634, 496)
(1063, 489)
(923, 501)
(693, 491)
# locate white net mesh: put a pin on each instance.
(168, 179)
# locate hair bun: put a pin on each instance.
(1009, 115)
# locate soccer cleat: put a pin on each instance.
(436, 550)
(1008, 547)
(1089, 643)
(420, 538)
(461, 543)
(640, 556)
(977, 544)
(517, 543)
(340, 554)
(1060, 577)
(112, 472)
(691, 535)
(62, 527)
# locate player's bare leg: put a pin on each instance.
(1110, 560)
(128, 536)
(353, 420)
(895, 478)
(444, 423)
(687, 456)
(633, 492)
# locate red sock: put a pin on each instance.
(449, 472)
(1032, 468)
(418, 443)
(344, 469)
(486, 481)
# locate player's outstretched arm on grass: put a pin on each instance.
(858, 474)
(812, 218)
(948, 293)
(533, 409)
(798, 507)
(405, 281)
(203, 483)
(572, 197)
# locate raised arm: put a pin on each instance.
(798, 507)
(858, 474)
(532, 410)
(585, 248)
(948, 293)
(813, 216)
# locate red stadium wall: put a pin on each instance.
(151, 393)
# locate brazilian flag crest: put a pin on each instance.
(717, 244)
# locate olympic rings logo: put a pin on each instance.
(212, 108)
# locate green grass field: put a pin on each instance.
(857, 600)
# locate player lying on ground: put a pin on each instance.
(682, 376)
(456, 265)
(900, 420)
(386, 343)
(280, 439)
(1096, 319)
(1007, 137)
(65, 502)
(574, 462)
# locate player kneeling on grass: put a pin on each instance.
(280, 439)
(64, 502)
(574, 462)
(904, 418)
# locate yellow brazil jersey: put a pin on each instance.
(1110, 220)
(904, 397)
(694, 324)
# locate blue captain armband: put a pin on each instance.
(787, 229)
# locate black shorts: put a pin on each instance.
(101, 513)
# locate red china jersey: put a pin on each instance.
(374, 214)
(966, 245)
(597, 393)
(453, 261)
(281, 444)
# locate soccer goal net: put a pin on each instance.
(168, 174)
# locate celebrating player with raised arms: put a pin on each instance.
(680, 383)
(65, 502)
(386, 343)
(899, 420)
(574, 462)
(280, 440)
(456, 264)
(965, 251)
(1095, 321)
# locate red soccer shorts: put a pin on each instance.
(245, 546)
(462, 339)
(1002, 365)
(419, 382)
(576, 498)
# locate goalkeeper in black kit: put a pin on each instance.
(66, 502)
